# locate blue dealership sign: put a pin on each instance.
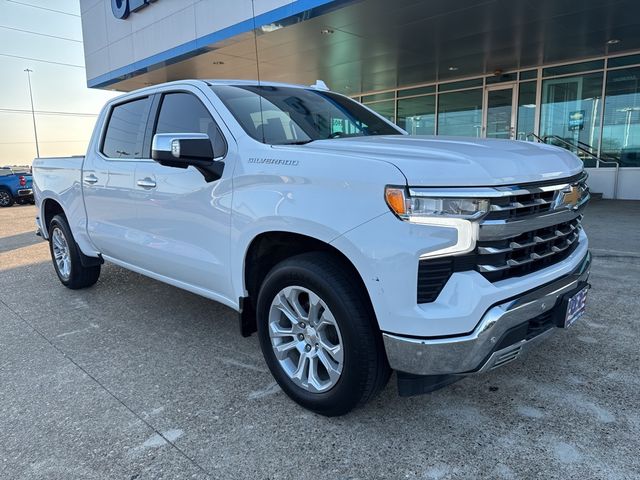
(122, 8)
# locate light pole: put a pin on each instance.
(33, 113)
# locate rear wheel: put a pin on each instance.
(66, 257)
(318, 335)
(6, 199)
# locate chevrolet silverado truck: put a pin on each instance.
(350, 247)
(15, 186)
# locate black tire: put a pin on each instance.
(365, 369)
(6, 199)
(79, 276)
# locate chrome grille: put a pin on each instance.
(527, 252)
(527, 228)
(521, 205)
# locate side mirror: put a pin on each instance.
(181, 150)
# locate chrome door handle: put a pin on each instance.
(146, 183)
(90, 179)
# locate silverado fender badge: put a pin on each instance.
(275, 161)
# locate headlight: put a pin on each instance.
(415, 209)
(447, 212)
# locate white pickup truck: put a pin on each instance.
(352, 248)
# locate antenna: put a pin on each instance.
(255, 42)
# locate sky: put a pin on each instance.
(58, 81)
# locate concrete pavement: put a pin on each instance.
(135, 379)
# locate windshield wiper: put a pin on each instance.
(299, 142)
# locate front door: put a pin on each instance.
(500, 112)
(185, 221)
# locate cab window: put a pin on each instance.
(124, 136)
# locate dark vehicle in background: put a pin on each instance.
(15, 186)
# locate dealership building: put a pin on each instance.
(555, 71)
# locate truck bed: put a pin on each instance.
(66, 168)
(59, 179)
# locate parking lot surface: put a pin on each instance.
(135, 379)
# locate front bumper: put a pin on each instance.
(488, 345)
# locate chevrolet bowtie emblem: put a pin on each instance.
(569, 197)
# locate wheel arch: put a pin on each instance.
(50, 208)
(269, 248)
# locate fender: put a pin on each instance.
(240, 244)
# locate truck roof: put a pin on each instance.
(256, 83)
(319, 85)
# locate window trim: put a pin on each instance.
(154, 116)
(105, 129)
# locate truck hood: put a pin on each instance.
(460, 162)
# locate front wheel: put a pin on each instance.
(66, 257)
(318, 335)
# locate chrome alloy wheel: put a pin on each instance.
(5, 198)
(306, 339)
(61, 253)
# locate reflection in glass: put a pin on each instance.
(621, 130)
(573, 68)
(386, 109)
(124, 137)
(460, 113)
(499, 112)
(570, 113)
(418, 115)
(526, 110)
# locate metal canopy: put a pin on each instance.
(374, 45)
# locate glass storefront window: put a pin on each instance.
(499, 113)
(386, 109)
(621, 129)
(529, 75)
(460, 113)
(623, 61)
(410, 92)
(573, 68)
(446, 87)
(570, 113)
(526, 110)
(418, 115)
(378, 96)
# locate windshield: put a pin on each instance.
(289, 115)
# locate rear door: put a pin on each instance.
(108, 179)
(185, 221)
